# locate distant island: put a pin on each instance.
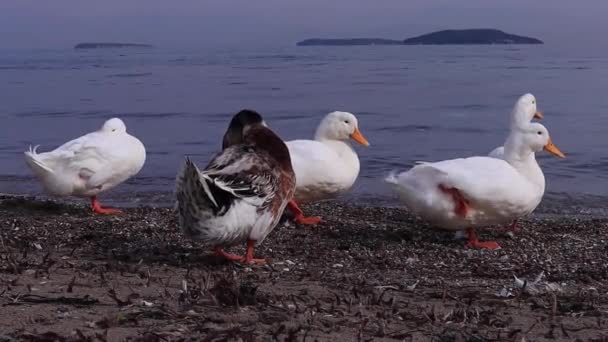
(109, 45)
(445, 37)
(470, 37)
(350, 41)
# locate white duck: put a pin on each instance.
(325, 166)
(242, 193)
(91, 164)
(522, 114)
(463, 193)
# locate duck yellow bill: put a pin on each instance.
(539, 115)
(551, 148)
(358, 137)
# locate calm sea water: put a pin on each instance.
(413, 103)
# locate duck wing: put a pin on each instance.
(313, 162)
(479, 178)
(238, 195)
(234, 175)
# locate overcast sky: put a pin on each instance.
(185, 23)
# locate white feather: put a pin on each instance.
(90, 164)
(328, 165)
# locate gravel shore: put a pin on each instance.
(365, 274)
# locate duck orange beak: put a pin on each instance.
(358, 137)
(551, 148)
(539, 115)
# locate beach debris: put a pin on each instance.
(504, 293)
(30, 299)
(146, 303)
(538, 286)
(410, 261)
(413, 286)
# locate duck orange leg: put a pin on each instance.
(462, 208)
(299, 214)
(96, 206)
(248, 258)
(249, 255)
(475, 243)
(219, 251)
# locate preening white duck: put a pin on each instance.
(523, 112)
(472, 192)
(327, 165)
(242, 193)
(91, 164)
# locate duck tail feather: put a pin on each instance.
(201, 190)
(33, 159)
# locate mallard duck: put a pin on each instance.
(327, 165)
(242, 193)
(464, 193)
(91, 164)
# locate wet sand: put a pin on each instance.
(365, 274)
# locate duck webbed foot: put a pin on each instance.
(475, 243)
(299, 215)
(219, 251)
(247, 259)
(97, 208)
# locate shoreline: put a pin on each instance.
(553, 205)
(373, 272)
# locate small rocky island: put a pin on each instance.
(470, 37)
(445, 37)
(110, 45)
(349, 41)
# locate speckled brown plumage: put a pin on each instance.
(244, 189)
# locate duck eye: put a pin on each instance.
(346, 122)
(539, 133)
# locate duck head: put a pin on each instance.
(239, 124)
(524, 111)
(114, 125)
(340, 126)
(536, 136)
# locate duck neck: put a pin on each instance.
(265, 139)
(523, 159)
(344, 150)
